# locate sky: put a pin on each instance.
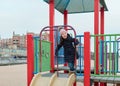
(23, 16)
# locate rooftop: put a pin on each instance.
(76, 6)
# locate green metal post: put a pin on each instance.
(95, 54)
(35, 45)
(115, 56)
(110, 57)
(105, 52)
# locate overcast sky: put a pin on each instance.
(24, 16)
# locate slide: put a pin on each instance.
(39, 80)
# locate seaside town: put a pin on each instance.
(59, 43)
(15, 48)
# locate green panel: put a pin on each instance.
(36, 56)
(45, 56)
(35, 68)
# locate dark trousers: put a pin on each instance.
(71, 65)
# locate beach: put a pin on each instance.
(13, 75)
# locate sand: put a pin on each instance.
(13, 75)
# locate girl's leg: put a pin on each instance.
(72, 69)
(71, 65)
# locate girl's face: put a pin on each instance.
(63, 34)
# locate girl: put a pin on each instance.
(68, 44)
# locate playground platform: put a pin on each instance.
(93, 78)
(78, 69)
(54, 80)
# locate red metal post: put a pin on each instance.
(96, 31)
(102, 22)
(102, 32)
(65, 23)
(30, 58)
(86, 59)
(51, 22)
(65, 18)
(75, 84)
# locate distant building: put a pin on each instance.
(20, 41)
(16, 46)
(23, 41)
(3, 42)
(16, 40)
(45, 36)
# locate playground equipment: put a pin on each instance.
(105, 69)
(41, 52)
(55, 29)
(54, 80)
(108, 59)
(45, 54)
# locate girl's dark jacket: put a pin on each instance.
(69, 47)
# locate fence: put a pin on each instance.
(108, 54)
